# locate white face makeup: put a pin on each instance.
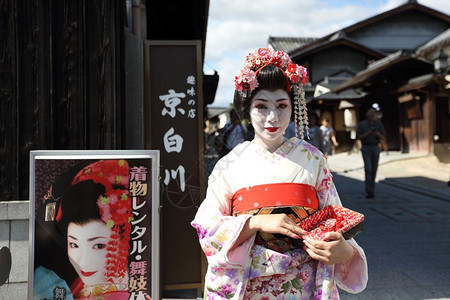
(86, 246)
(270, 114)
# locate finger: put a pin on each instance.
(290, 234)
(312, 243)
(287, 230)
(310, 252)
(290, 230)
(299, 230)
(332, 236)
(315, 255)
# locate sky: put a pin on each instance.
(237, 27)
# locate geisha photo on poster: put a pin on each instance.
(94, 225)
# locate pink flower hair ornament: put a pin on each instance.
(296, 76)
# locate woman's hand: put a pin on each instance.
(334, 249)
(276, 223)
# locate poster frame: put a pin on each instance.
(154, 155)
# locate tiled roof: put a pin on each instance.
(334, 81)
(215, 111)
(375, 68)
(337, 39)
(440, 41)
(407, 6)
(288, 44)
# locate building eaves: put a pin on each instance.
(440, 41)
(409, 5)
(349, 94)
(375, 68)
(212, 111)
(331, 83)
(288, 44)
(417, 83)
(335, 40)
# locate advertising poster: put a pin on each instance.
(94, 225)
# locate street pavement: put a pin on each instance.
(421, 173)
(406, 228)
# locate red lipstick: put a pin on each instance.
(87, 274)
(272, 129)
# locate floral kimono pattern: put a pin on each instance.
(250, 271)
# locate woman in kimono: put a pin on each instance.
(248, 223)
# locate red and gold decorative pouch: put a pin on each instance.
(333, 218)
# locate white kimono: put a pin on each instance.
(251, 271)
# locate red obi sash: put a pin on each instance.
(274, 195)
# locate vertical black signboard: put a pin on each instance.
(174, 116)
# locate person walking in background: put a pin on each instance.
(315, 134)
(383, 144)
(329, 137)
(314, 137)
(290, 130)
(231, 135)
(371, 132)
(236, 131)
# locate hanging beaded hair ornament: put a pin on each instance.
(246, 81)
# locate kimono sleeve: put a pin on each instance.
(352, 275)
(217, 229)
(326, 191)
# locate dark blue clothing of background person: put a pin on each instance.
(371, 132)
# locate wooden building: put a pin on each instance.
(359, 65)
(72, 77)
